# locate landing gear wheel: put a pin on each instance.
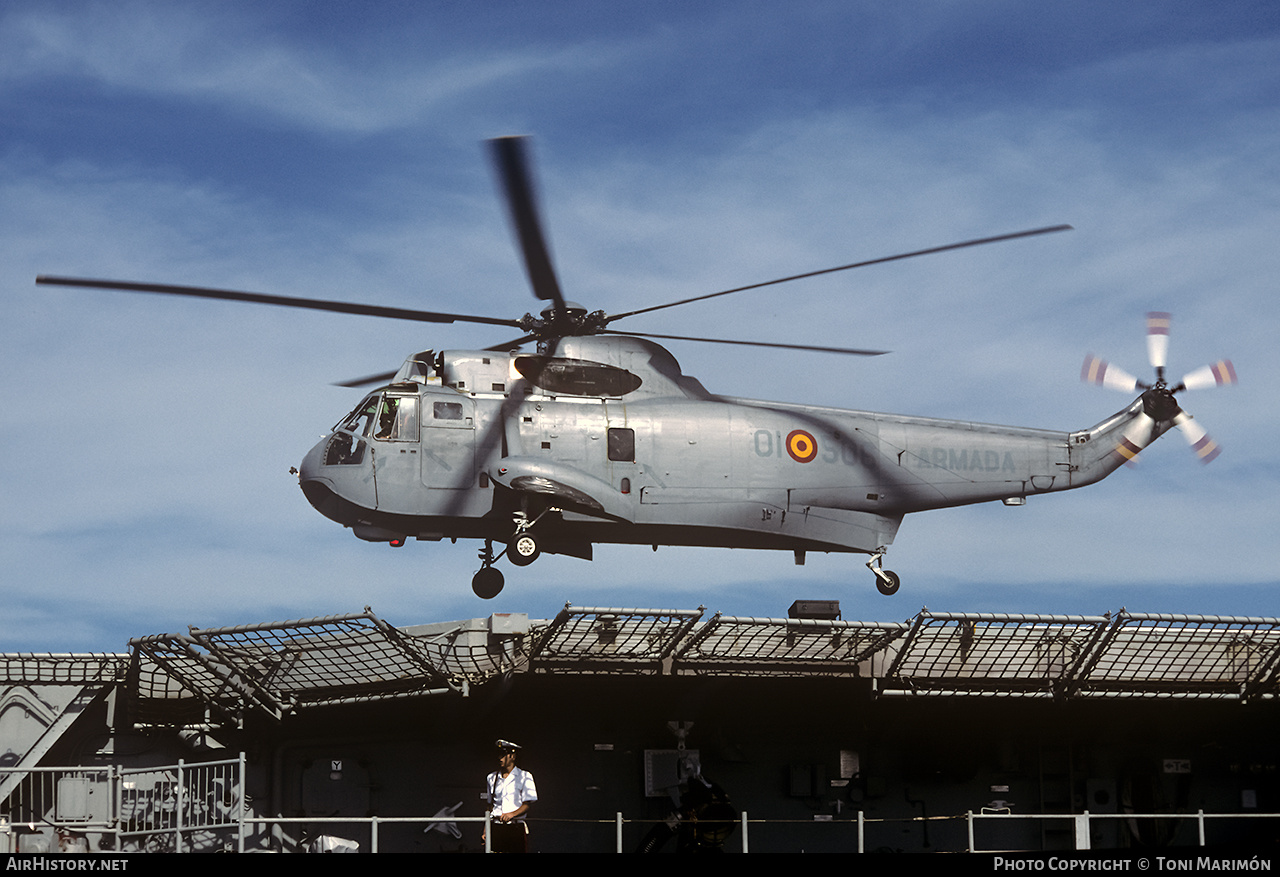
(487, 583)
(889, 584)
(523, 549)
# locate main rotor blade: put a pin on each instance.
(846, 350)
(510, 160)
(313, 304)
(508, 346)
(383, 377)
(379, 378)
(931, 250)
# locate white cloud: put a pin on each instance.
(196, 56)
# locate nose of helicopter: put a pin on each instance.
(339, 492)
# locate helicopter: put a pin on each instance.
(598, 436)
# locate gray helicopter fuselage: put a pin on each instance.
(626, 448)
(599, 436)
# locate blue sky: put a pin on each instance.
(332, 150)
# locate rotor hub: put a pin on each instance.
(572, 319)
(1158, 404)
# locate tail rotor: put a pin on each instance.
(1158, 401)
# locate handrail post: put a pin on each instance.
(179, 805)
(117, 795)
(488, 830)
(617, 817)
(242, 799)
(968, 820)
(746, 847)
(1083, 841)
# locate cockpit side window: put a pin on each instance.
(398, 419)
(385, 417)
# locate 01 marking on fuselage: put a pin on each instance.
(802, 447)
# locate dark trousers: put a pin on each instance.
(509, 837)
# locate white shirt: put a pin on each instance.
(509, 792)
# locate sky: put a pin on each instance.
(334, 150)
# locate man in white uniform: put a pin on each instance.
(509, 791)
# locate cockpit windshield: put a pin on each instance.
(359, 420)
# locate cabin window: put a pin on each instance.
(446, 410)
(576, 377)
(622, 444)
(398, 419)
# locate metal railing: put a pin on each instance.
(182, 808)
(854, 829)
(168, 808)
(202, 808)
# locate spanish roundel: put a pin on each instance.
(801, 446)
